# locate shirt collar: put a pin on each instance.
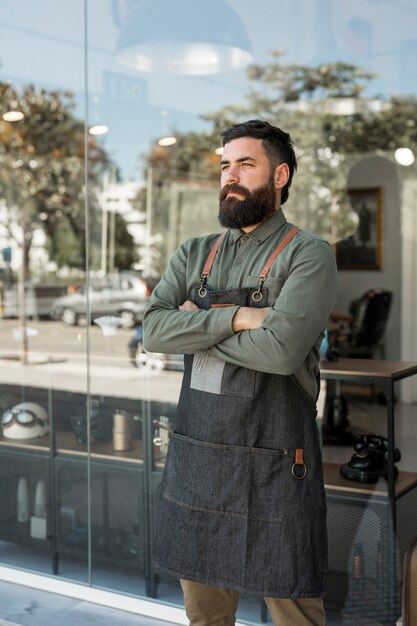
(263, 231)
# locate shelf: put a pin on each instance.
(354, 369)
(41, 444)
(335, 482)
(67, 445)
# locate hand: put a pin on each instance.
(188, 305)
(248, 318)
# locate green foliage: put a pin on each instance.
(393, 127)
(65, 248)
(42, 174)
(125, 253)
(302, 100)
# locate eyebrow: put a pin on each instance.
(241, 160)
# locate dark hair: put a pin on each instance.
(276, 143)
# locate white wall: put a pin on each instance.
(409, 284)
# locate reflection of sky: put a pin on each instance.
(43, 43)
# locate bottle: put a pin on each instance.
(22, 500)
(122, 432)
(40, 499)
(38, 521)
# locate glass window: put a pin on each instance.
(109, 159)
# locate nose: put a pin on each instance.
(231, 175)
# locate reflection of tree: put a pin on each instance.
(42, 174)
(191, 160)
(301, 99)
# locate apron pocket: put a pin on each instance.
(239, 481)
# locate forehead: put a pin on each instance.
(244, 147)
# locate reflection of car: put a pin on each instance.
(37, 303)
(159, 361)
(123, 295)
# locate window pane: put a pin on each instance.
(109, 160)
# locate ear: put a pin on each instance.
(281, 175)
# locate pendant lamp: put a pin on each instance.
(184, 37)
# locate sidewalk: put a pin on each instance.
(25, 606)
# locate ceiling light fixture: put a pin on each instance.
(404, 156)
(98, 129)
(167, 141)
(184, 37)
(13, 116)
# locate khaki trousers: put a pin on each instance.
(206, 605)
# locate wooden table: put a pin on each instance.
(384, 374)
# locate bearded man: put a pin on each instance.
(243, 505)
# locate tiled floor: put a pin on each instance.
(31, 607)
(23, 606)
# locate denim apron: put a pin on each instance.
(243, 503)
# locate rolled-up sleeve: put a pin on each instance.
(168, 330)
(296, 320)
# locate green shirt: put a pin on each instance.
(302, 288)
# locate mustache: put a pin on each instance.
(235, 188)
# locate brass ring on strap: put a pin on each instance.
(304, 470)
(257, 296)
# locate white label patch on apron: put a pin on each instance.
(207, 372)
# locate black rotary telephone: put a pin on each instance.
(370, 460)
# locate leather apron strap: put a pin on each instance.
(262, 276)
(264, 273)
(205, 273)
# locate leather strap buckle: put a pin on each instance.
(299, 469)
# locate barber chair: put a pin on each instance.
(361, 334)
(358, 335)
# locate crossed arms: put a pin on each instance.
(245, 318)
(273, 339)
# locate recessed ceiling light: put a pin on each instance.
(13, 116)
(404, 156)
(98, 129)
(167, 141)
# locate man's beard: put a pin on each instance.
(256, 206)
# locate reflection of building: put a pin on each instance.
(118, 198)
(191, 207)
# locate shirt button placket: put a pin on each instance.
(243, 249)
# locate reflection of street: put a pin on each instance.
(57, 359)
